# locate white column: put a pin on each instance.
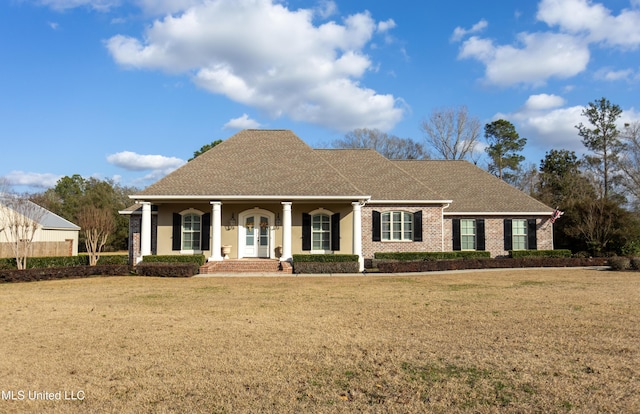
(216, 229)
(286, 231)
(357, 233)
(145, 230)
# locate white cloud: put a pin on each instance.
(99, 5)
(543, 101)
(243, 122)
(386, 25)
(31, 179)
(459, 32)
(593, 20)
(261, 54)
(538, 57)
(562, 51)
(613, 75)
(138, 162)
(53, 25)
(326, 9)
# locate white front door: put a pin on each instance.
(256, 236)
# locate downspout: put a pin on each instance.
(442, 226)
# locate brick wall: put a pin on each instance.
(135, 223)
(494, 234)
(431, 231)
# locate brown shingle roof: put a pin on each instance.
(256, 162)
(472, 189)
(377, 176)
(277, 163)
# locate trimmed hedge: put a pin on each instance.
(167, 269)
(326, 267)
(403, 256)
(325, 263)
(197, 259)
(65, 261)
(540, 253)
(55, 273)
(484, 263)
(324, 258)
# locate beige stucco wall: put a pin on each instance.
(229, 236)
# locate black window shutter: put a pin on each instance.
(176, 244)
(457, 245)
(306, 232)
(508, 233)
(206, 230)
(417, 226)
(335, 231)
(375, 226)
(532, 238)
(480, 245)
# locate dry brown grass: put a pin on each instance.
(501, 341)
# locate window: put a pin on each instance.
(519, 234)
(467, 234)
(191, 231)
(321, 232)
(397, 226)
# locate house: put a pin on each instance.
(267, 194)
(54, 236)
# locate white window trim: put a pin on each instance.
(403, 240)
(475, 235)
(526, 234)
(326, 213)
(182, 214)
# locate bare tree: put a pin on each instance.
(452, 133)
(390, 146)
(629, 161)
(19, 221)
(97, 225)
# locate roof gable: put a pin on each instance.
(377, 176)
(472, 189)
(256, 163)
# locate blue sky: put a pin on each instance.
(129, 89)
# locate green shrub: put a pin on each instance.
(631, 248)
(324, 258)
(160, 269)
(620, 263)
(403, 256)
(635, 263)
(198, 259)
(59, 261)
(114, 259)
(326, 267)
(540, 253)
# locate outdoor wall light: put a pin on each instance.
(232, 222)
(278, 222)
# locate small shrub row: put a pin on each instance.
(483, 263)
(324, 258)
(54, 273)
(622, 263)
(540, 253)
(325, 267)
(65, 261)
(402, 256)
(167, 269)
(197, 259)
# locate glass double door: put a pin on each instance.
(256, 236)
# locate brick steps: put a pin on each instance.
(246, 266)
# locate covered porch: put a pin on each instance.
(256, 228)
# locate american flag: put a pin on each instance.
(556, 215)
